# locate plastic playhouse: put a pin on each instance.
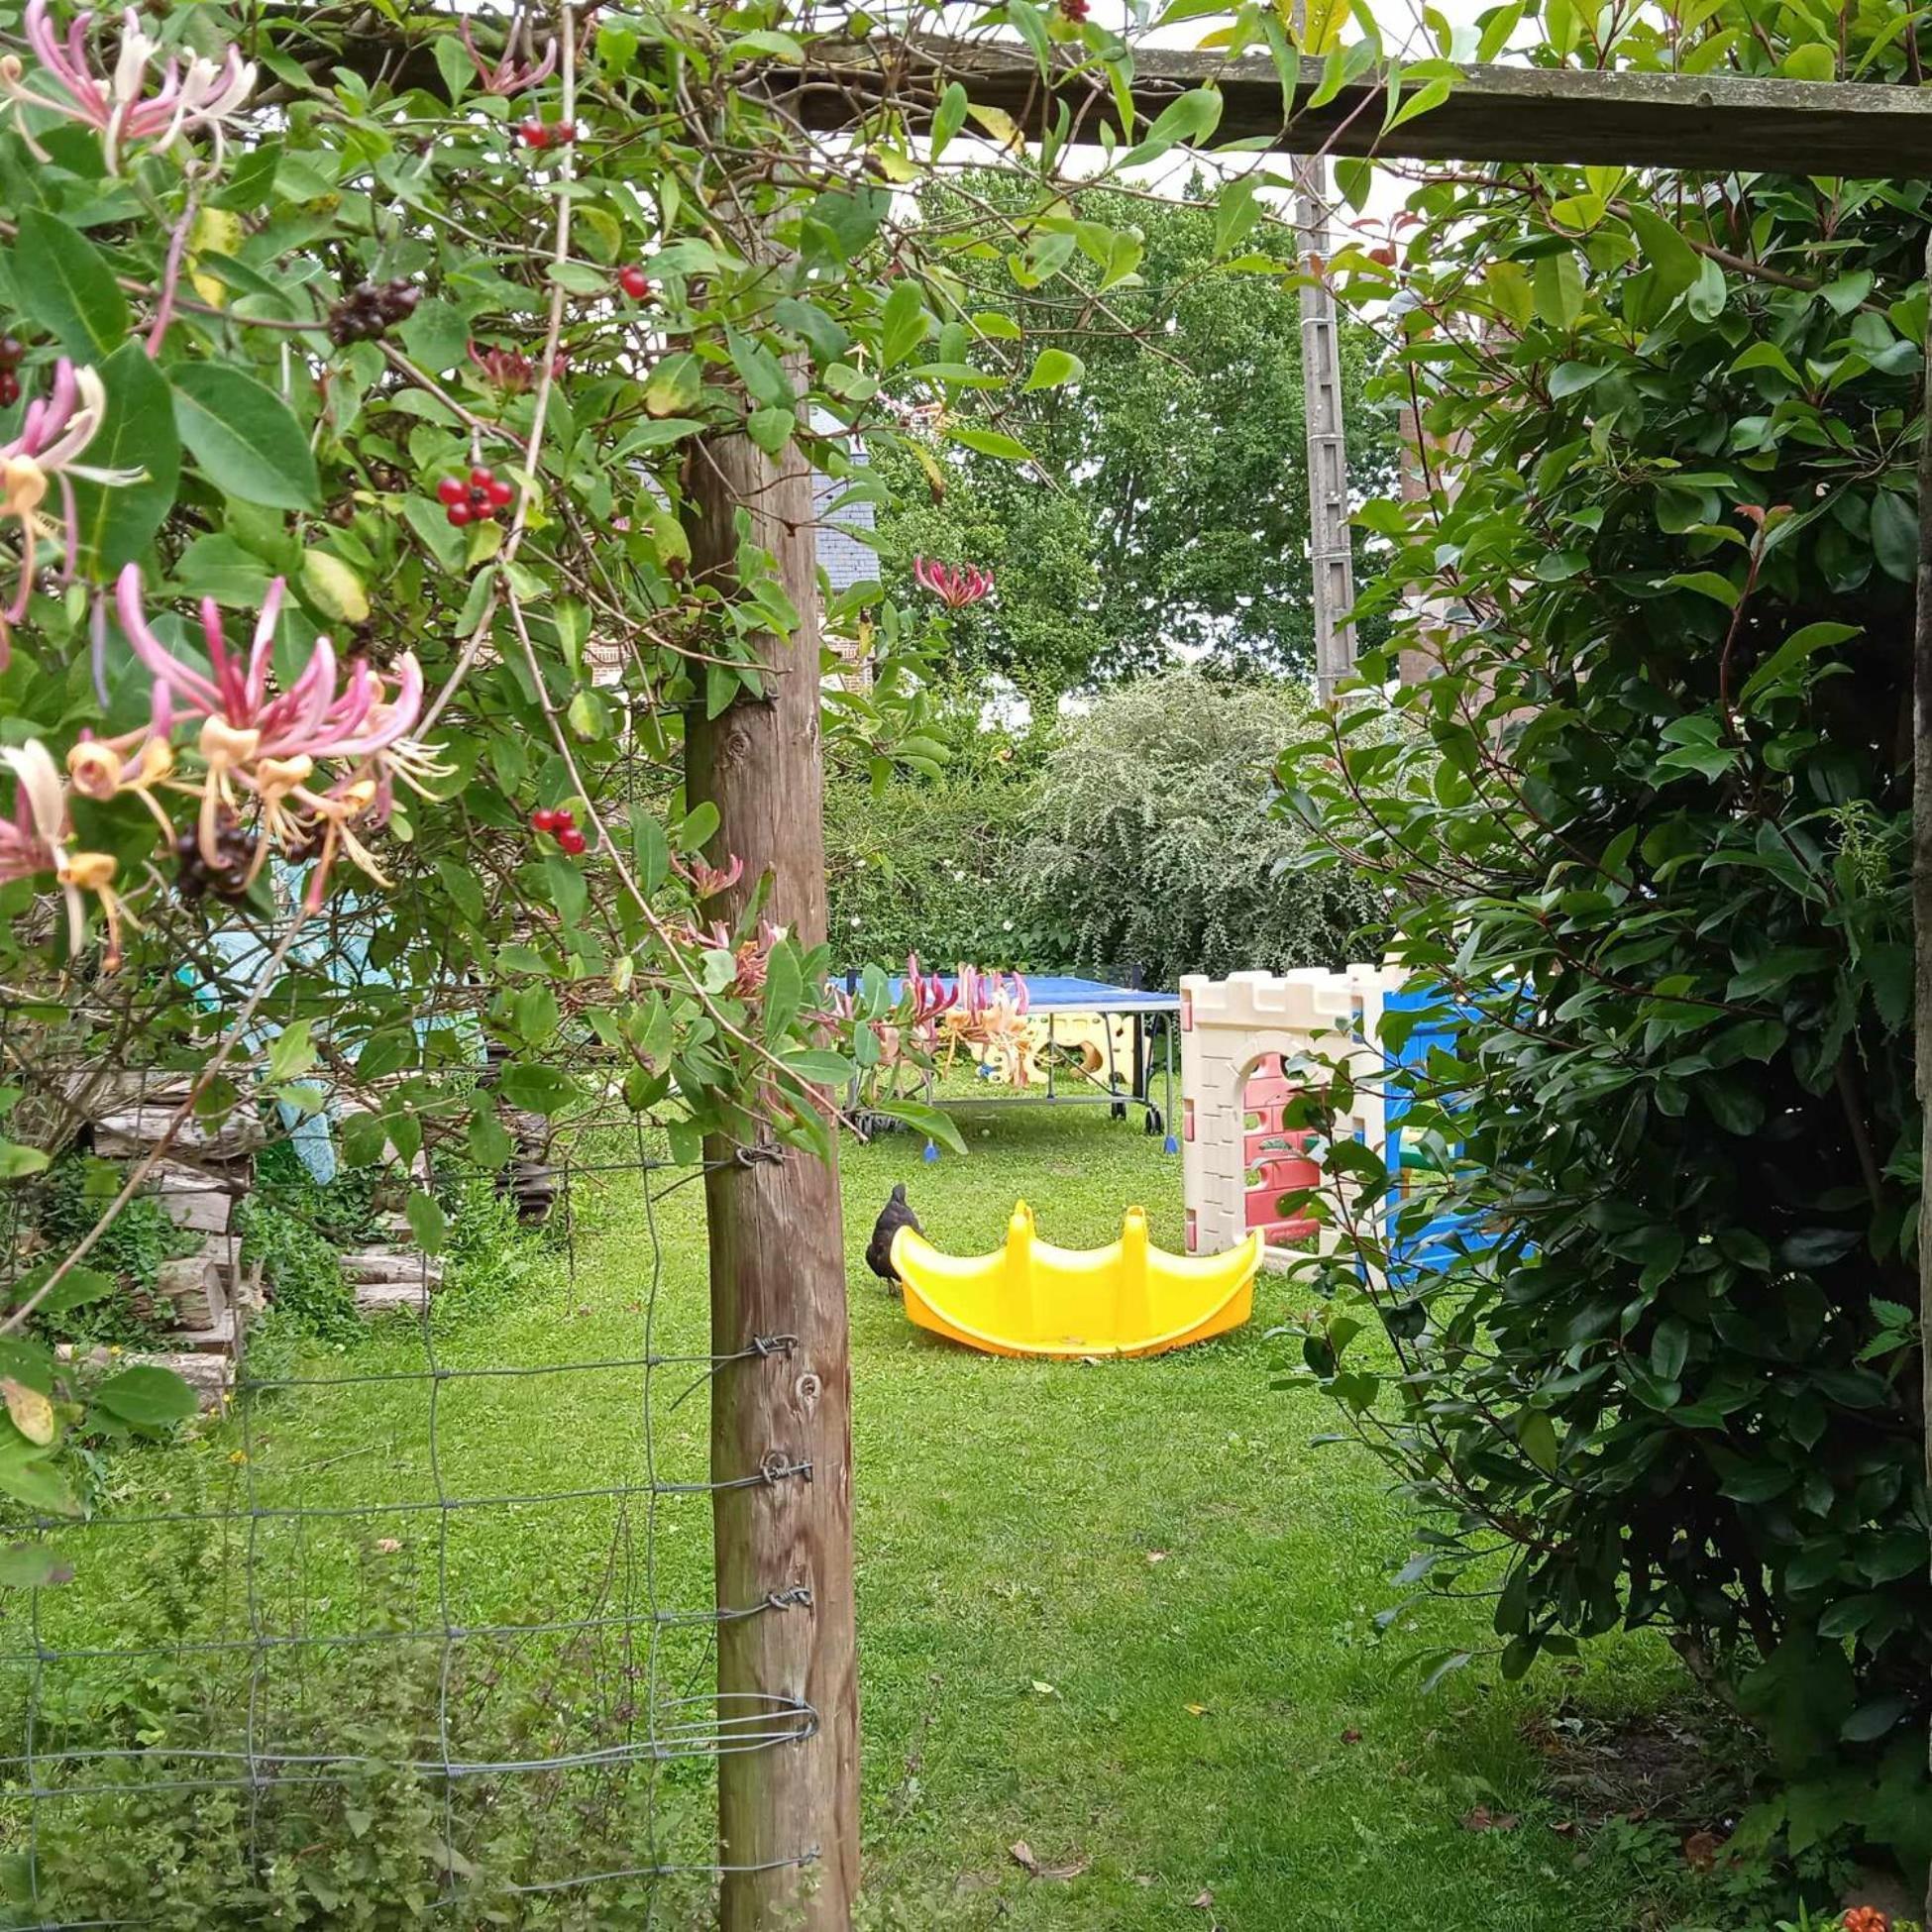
(1030, 1298)
(1244, 1040)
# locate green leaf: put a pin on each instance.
(1567, 379)
(762, 374)
(65, 284)
(427, 1221)
(18, 1161)
(784, 991)
(333, 588)
(1054, 368)
(1674, 263)
(453, 62)
(541, 1089)
(1793, 651)
(901, 326)
(245, 438)
(218, 566)
(1559, 285)
(32, 1566)
(1874, 1719)
(27, 1476)
(1707, 584)
(675, 385)
(949, 116)
(934, 1123)
(292, 1053)
(147, 1397)
(1191, 117)
(1895, 535)
(117, 521)
(75, 1288)
(819, 1067)
(1538, 1436)
(991, 442)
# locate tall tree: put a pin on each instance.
(1167, 510)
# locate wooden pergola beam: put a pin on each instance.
(1720, 122)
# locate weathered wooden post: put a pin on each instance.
(778, 1270)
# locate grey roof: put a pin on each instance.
(845, 559)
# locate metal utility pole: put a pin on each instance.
(1330, 556)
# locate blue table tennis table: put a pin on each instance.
(1155, 1016)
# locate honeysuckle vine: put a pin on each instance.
(196, 98)
(357, 380)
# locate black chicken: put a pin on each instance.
(894, 1216)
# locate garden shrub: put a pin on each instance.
(1155, 840)
(936, 865)
(350, 1823)
(294, 1229)
(1662, 864)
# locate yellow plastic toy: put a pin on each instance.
(1030, 1298)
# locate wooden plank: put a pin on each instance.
(778, 1268)
(1494, 113)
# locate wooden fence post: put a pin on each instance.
(778, 1269)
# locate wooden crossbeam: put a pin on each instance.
(1494, 113)
(1718, 122)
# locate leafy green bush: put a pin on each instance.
(1155, 840)
(936, 866)
(350, 1822)
(1662, 864)
(295, 1228)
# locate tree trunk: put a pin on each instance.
(778, 1269)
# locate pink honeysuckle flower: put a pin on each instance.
(515, 71)
(202, 96)
(955, 588)
(34, 840)
(707, 881)
(54, 431)
(272, 745)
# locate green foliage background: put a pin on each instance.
(1168, 508)
(1136, 832)
(1662, 865)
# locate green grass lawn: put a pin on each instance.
(1123, 1613)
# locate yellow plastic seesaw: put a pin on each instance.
(1030, 1298)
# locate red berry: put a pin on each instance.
(572, 842)
(565, 816)
(478, 476)
(501, 494)
(634, 283)
(459, 514)
(534, 133)
(9, 388)
(564, 132)
(451, 490)
(543, 821)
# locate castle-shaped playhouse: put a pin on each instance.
(1249, 1044)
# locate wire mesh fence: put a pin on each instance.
(418, 1619)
